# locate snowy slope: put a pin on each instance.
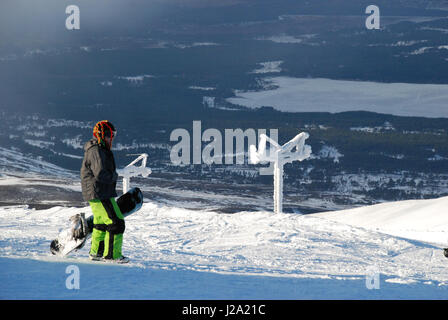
(13, 161)
(183, 254)
(425, 220)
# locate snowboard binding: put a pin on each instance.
(55, 246)
(79, 230)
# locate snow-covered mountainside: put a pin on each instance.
(184, 254)
(16, 162)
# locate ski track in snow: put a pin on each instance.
(184, 254)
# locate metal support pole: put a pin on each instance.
(278, 187)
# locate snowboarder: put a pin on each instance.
(98, 182)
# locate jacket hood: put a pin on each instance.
(89, 144)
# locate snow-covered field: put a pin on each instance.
(326, 95)
(387, 251)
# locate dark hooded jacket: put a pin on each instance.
(98, 172)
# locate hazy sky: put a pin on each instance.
(46, 18)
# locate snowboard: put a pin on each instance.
(75, 237)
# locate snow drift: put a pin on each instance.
(425, 220)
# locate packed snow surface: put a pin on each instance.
(184, 254)
(425, 220)
(326, 95)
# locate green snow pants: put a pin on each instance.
(108, 229)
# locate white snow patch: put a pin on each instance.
(37, 134)
(196, 44)
(387, 126)
(39, 143)
(208, 102)
(9, 57)
(283, 38)
(426, 49)
(443, 30)
(135, 80)
(69, 123)
(437, 157)
(407, 43)
(269, 67)
(202, 88)
(393, 156)
(73, 156)
(75, 143)
(328, 152)
(106, 83)
(421, 50)
(135, 145)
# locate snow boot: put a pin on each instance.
(120, 260)
(95, 257)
